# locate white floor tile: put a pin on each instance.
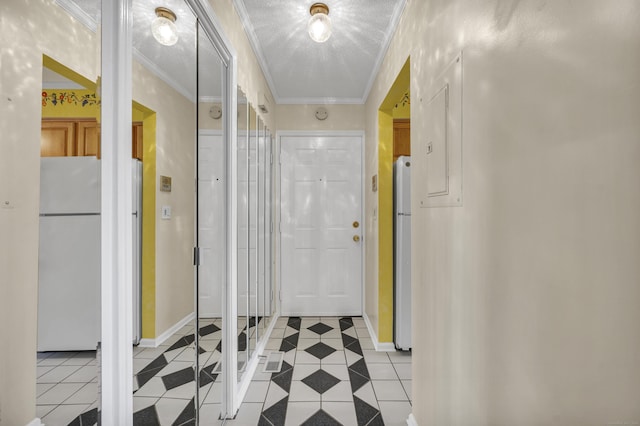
(257, 392)
(389, 390)
(300, 371)
(169, 409)
(403, 370)
(58, 374)
(174, 366)
(142, 402)
(298, 412)
(303, 357)
(153, 388)
(308, 342)
(337, 370)
(151, 353)
(59, 393)
(332, 334)
(338, 357)
(82, 358)
(341, 392)
(249, 414)
(210, 415)
(400, 357)
(367, 394)
(40, 370)
(406, 384)
(43, 387)
(343, 412)
(308, 334)
(375, 357)
(351, 331)
(215, 394)
(57, 358)
(366, 343)
(300, 392)
(351, 357)
(274, 394)
(43, 410)
(334, 343)
(84, 374)
(88, 394)
(186, 391)
(395, 413)
(62, 415)
(382, 372)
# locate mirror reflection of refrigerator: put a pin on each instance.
(69, 259)
(402, 253)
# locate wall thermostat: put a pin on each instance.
(322, 113)
(215, 112)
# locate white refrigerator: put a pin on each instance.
(69, 253)
(402, 253)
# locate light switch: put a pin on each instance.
(166, 212)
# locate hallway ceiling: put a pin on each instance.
(298, 70)
(301, 71)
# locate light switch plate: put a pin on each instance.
(166, 212)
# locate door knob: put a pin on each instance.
(356, 238)
(356, 224)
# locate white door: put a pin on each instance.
(211, 220)
(321, 225)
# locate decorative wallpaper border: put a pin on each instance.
(69, 97)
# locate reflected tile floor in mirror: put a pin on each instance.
(331, 374)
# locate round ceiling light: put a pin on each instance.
(319, 24)
(164, 28)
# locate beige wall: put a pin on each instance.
(525, 299)
(28, 30)
(302, 117)
(250, 77)
(175, 157)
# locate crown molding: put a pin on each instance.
(210, 99)
(76, 12)
(158, 72)
(321, 101)
(391, 30)
(255, 45)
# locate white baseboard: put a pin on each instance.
(35, 422)
(154, 343)
(411, 421)
(380, 347)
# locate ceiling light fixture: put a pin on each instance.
(319, 24)
(164, 28)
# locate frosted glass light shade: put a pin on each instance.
(319, 27)
(164, 31)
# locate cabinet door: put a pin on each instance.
(136, 141)
(57, 139)
(401, 138)
(88, 139)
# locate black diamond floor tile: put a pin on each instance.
(242, 342)
(320, 350)
(188, 416)
(345, 323)
(294, 322)
(360, 367)
(146, 417)
(276, 414)
(348, 340)
(293, 339)
(286, 346)
(283, 378)
(364, 412)
(207, 375)
(355, 347)
(320, 381)
(89, 418)
(159, 362)
(208, 329)
(178, 378)
(321, 418)
(320, 328)
(184, 341)
(377, 421)
(357, 381)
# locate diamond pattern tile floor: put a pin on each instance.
(326, 379)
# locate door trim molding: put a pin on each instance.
(278, 203)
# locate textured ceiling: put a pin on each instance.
(299, 70)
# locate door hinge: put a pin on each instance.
(196, 256)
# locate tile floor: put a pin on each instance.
(331, 375)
